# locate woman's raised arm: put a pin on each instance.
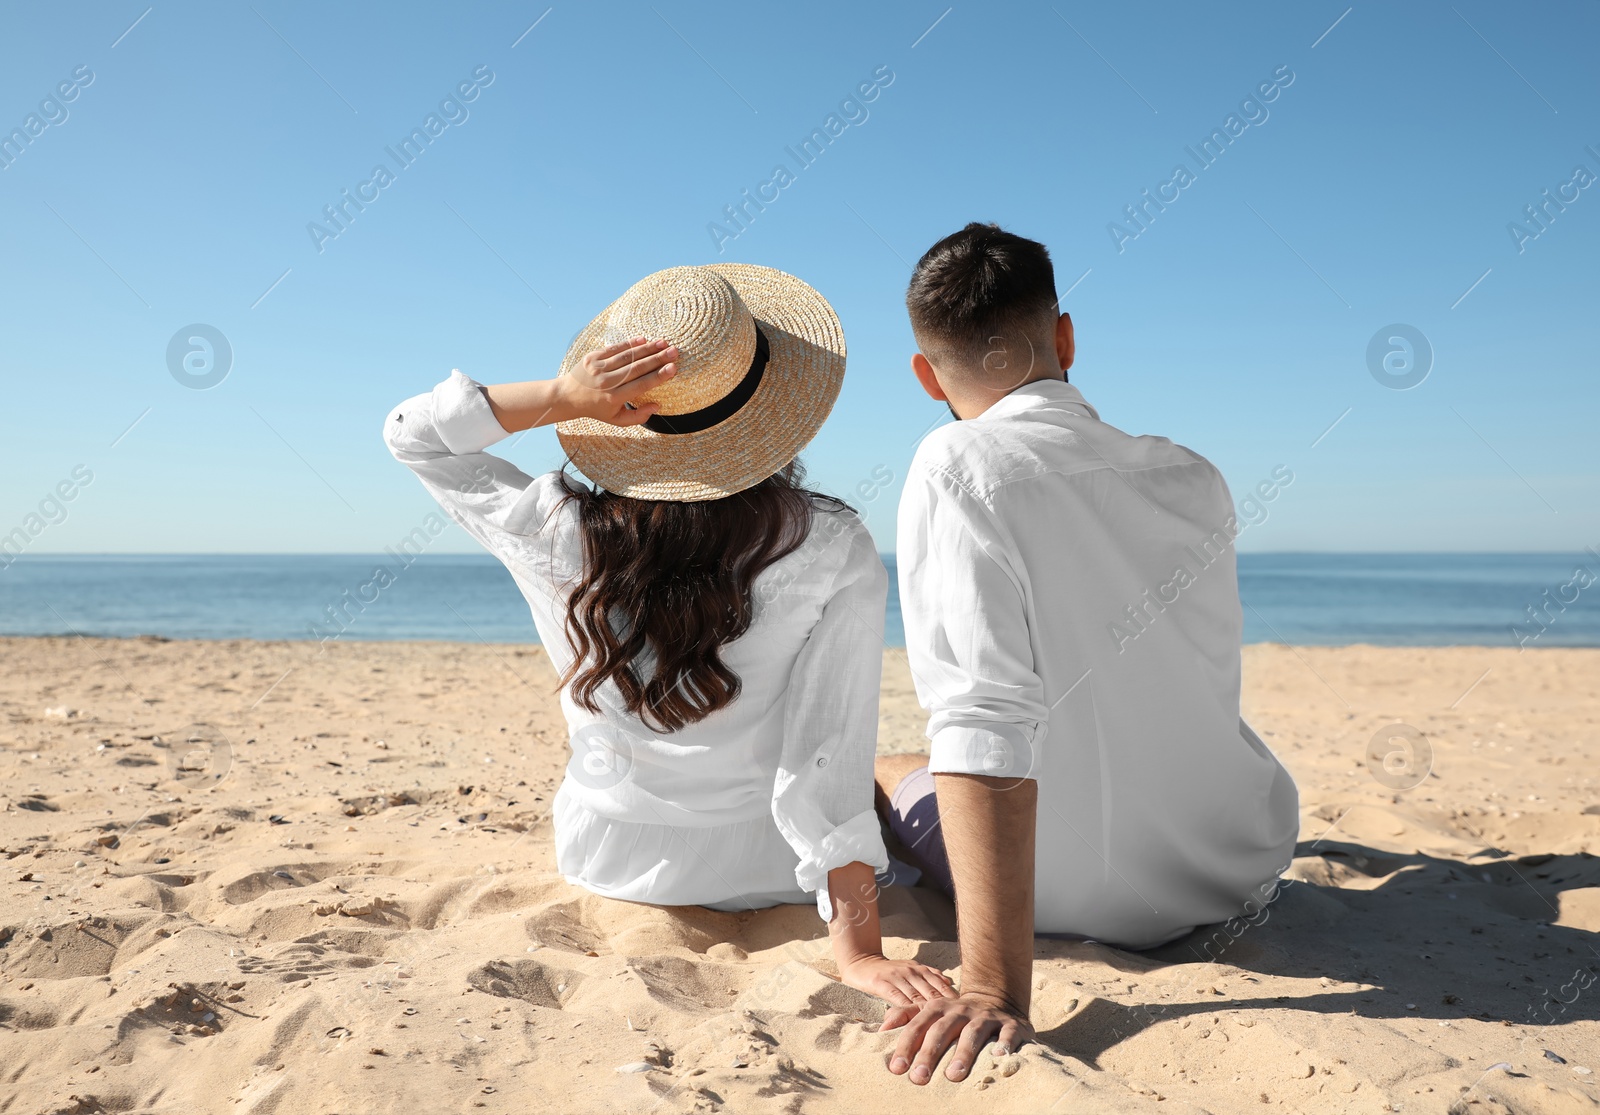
(604, 385)
(441, 434)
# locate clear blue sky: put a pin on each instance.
(176, 187)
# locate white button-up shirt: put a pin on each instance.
(1072, 615)
(754, 804)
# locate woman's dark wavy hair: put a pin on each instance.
(669, 583)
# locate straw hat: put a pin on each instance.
(761, 358)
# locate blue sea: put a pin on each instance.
(1329, 599)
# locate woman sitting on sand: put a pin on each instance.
(718, 629)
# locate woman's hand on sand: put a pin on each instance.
(902, 982)
(607, 383)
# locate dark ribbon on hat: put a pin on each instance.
(725, 407)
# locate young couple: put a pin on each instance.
(718, 632)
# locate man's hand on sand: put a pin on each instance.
(968, 1023)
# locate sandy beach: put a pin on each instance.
(264, 877)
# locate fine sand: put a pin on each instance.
(252, 877)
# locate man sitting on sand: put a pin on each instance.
(1073, 625)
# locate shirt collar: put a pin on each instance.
(1050, 393)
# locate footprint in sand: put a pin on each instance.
(303, 959)
(533, 982)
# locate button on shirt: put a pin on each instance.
(1072, 616)
(754, 804)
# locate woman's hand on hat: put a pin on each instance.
(607, 384)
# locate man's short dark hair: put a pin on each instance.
(977, 284)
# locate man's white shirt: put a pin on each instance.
(1072, 615)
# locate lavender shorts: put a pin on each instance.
(914, 821)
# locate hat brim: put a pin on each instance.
(798, 388)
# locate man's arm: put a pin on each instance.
(964, 598)
(988, 828)
(989, 832)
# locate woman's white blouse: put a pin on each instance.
(752, 805)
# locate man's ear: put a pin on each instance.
(925, 376)
(1066, 344)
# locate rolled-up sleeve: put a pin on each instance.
(967, 637)
(441, 436)
(822, 795)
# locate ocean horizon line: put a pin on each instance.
(1296, 598)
